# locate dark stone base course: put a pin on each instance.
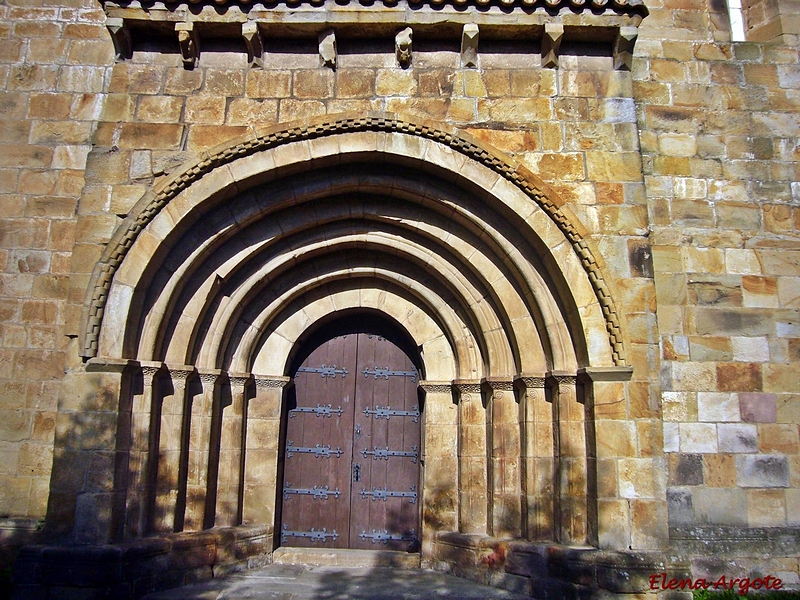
(716, 540)
(130, 570)
(552, 572)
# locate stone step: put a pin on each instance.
(327, 557)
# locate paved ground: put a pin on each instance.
(292, 582)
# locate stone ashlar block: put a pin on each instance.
(762, 471)
(741, 377)
(727, 506)
(686, 469)
(720, 470)
(716, 407)
(738, 437)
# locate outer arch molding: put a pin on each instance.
(264, 139)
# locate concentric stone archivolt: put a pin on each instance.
(126, 235)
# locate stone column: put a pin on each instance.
(472, 459)
(170, 448)
(143, 453)
(505, 516)
(261, 450)
(537, 459)
(570, 475)
(231, 466)
(199, 447)
(439, 463)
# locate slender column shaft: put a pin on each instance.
(538, 458)
(504, 467)
(199, 448)
(571, 474)
(143, 451)
(261, 450)
(229, 489)
(170, 444)
(440, 463)
(472, 459)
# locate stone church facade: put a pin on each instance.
(574, 222)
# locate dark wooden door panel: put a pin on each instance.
(388, 448)
(352, 448)
(319, 448)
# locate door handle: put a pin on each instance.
(356, 472)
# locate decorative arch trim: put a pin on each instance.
(259, 140)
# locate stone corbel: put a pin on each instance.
(255, 43)
(551, 42)
(189, 43)
(327, 48)
(402, 47)
(469, 45)
(623, 47)
(121, 36)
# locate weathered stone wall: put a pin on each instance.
(54, 60)
(719, 135)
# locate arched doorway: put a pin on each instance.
(221, 277)
(352, 445)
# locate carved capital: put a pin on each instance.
(271, 382)
(532, 385)
(436, 387)
(209, 378)
(238, 381)
(149, 371)
(498, 387)
(468, 390)
(179, 375)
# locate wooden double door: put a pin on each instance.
(352, 452)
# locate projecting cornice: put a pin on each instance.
(544, 22)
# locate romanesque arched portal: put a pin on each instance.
(212, 284)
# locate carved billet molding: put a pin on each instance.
(131, 227)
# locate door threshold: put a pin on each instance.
(342, 557)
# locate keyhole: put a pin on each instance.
(356, 472)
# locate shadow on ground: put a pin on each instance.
(292, 582)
